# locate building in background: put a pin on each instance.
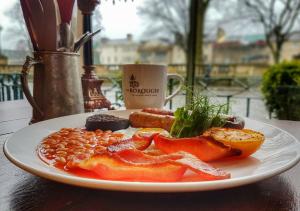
(116, 51)
(177, 55)
(291, 49)
(125, 51)
(222, 49)
(3, 59)
(236, 52)
(248, 49)
(208, 50)
(15, 57)
(155, 51)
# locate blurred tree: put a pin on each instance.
(278, 18)
(97, 24)
(167, 18)
(97, 19)
(170, 18)
(201, 11)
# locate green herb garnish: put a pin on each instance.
(196, 117)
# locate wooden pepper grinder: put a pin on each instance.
(91, 85)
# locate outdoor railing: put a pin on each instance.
(116, 90)
(10, 87)
(234, 75)
(206, 70)
(229, 98)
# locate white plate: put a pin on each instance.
(279, 152)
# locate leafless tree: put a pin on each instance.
(170, 18)
(167, 18)
(201, 14)
(278, 18)
(97, 19)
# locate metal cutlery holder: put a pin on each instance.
(57, 89)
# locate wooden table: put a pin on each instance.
(20, 190)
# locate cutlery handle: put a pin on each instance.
(84, 38)
(24, 81)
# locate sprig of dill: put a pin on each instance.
(198, 116)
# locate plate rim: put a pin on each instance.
(144, 186)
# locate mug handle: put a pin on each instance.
(181, 82)
(29, 62)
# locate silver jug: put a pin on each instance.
(57, 89)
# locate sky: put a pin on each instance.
(121, 18)
(118, 19)
(5, 5)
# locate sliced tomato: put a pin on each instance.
(203, 148)
(110, 167)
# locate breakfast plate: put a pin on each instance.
(280, 152)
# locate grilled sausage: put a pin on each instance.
(151, 120)
(158, 111)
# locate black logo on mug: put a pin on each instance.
(133, 83)
(136, 91)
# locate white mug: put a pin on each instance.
(145, 85)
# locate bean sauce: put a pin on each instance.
(68, 146)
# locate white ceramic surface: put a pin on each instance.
(145, 85)
(279, 152)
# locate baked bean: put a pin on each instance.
(104, 139)
(70, 145)
(52, 141)
(78, 151)
(79, 148)
(64, 143)
(107, 131)
(83, 140)
(60, 159)
(56, 136)
(81, 156)
(93, 142)
(45, 146)
(70, 157)
(73, 141)
(60, 146)
(49, 150)
(88, 146)
(49, 156)
(61, 153)
(89, 151)
(64, 134)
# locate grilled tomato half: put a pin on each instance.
(245, 140)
